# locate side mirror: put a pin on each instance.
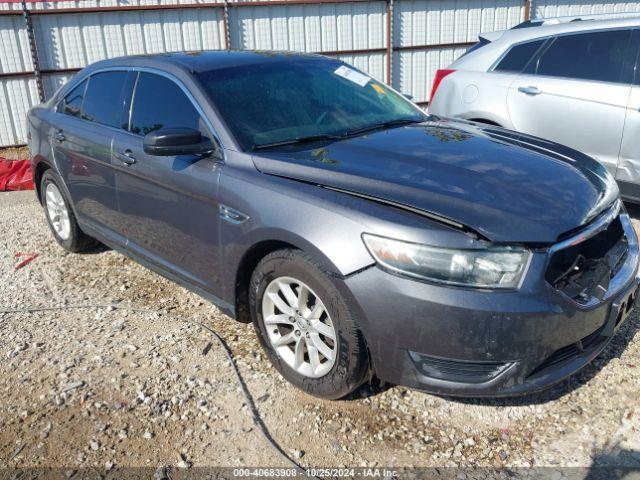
(169, 142)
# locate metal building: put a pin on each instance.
(401, 42)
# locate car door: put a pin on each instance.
(573, 93)
(87, 118)
(628, 173)
(169, 204)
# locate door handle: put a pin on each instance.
(126, 157)
(59, 136)
(530, 90)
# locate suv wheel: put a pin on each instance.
(60, 216)
(305, 326)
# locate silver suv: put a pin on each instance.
(575, 81)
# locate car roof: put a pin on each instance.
(184, 64)
(205, 60)
(482, 58)
(572, 24)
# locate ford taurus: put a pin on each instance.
(360, 235)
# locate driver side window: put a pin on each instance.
(158, 102)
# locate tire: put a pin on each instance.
(341, 364)
(60, 216)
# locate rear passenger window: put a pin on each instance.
(72, 103)
(595, 56)
(517, 58)
(160, 103)
(103, 101)
(634, 64)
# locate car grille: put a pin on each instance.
(583, 270)
(457, 370)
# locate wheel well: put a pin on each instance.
(37, 177)
(485, 121)
(247, 265)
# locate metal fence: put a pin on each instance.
(401, 42)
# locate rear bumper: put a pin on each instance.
(466, 342)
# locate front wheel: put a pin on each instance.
(305, 326)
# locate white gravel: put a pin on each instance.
(109, 388)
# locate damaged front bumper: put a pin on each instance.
(467, 342)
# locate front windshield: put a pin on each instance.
(301, 97)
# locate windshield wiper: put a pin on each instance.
(327, 136)
(379, 126)
(293, 141)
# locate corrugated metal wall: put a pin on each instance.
(427, 35)
(75, 40)
(559, 8)
(326, 28)
(421, 23)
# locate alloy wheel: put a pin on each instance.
(299, 327)
(57, 211)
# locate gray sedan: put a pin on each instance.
(361, 236)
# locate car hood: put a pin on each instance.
(506, 186)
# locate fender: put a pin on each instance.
(310, 213)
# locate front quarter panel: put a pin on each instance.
(327, 225)
(278, 209)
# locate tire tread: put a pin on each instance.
(358, 358)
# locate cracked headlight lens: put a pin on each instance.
(499, 267)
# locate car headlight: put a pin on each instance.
(500, 267)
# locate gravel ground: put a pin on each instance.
(110, 387)
(14, 153)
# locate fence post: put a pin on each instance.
(225, 23)
(390, 43)
(34, 51)
(528, 5)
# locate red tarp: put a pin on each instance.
(15, 175)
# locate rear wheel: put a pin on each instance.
(305, 326)
(60, 216)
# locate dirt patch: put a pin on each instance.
(111, 387)
(14, 153)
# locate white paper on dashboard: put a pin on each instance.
(349, 74)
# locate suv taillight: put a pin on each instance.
(440, 74)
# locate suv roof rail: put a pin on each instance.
(540, 22)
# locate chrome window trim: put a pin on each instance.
(133, 97)
(151, 70)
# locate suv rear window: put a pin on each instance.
(597, 56)
(517, 58)
(103, 99)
